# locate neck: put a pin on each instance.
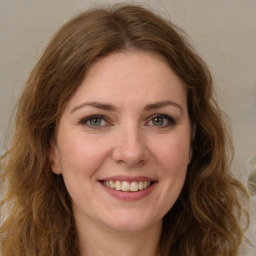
(101, 241)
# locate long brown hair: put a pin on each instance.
(205, 220)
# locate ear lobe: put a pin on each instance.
(54, 159)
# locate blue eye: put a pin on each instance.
(158, 121)
(94, 121)
(162, 121)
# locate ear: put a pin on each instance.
(54, 158)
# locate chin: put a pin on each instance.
(132, 224)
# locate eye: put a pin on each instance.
(161, 121)
(94, 121)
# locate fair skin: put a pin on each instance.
(123, 147)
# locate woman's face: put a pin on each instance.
(123, 142)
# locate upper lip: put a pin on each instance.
(127, 178)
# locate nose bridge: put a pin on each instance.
(131, 145)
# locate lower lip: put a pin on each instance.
(129, 196)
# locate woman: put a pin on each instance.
(119, 148)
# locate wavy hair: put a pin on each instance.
(36, 209)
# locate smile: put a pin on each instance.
(127, 186)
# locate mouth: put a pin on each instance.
(127, 186)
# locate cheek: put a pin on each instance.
(82, 154)
(81, 157)
(172, 159)
(174, 156)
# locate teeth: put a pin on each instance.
(141, 185)
(112, 184)
(118, 185)
(134, 186)
(127, 186)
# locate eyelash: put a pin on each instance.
(170, 121)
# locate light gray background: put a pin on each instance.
(222, 31)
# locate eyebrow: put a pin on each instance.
(162, 104)
(110, 107)
(95, 104)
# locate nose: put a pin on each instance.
(131, 148)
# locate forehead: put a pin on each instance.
(130, 76)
